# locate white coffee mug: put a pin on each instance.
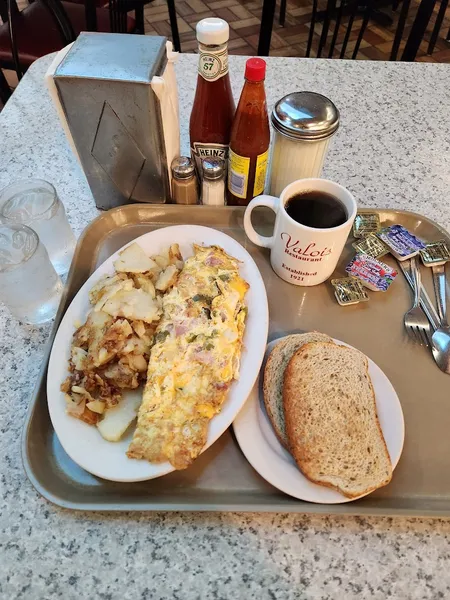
(300, 254)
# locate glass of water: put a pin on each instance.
(34, 202)
(29, 285)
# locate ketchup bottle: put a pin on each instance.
(213, 109)
(250, 138)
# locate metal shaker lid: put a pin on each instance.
(305, 116)
(213, 168)
(182, 167)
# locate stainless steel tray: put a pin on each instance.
(221, 479)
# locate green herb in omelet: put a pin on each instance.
(202, 298)
(161, 336)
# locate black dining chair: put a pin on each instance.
(418, 30)
(5, 91)
(437, 26)
(332, 21)
(43, 27)
(120, 8)
(419, 27)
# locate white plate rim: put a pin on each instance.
(254, 344)
(254, 443)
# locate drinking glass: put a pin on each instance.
(29, 285)
(34, 202)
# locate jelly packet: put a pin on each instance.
(402, 244)
(436, 253)
(371, 272)
(365, 223)
(349, 290)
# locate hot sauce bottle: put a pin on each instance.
(250, 138)
(213, 109)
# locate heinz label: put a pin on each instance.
(213, 64)
(200, 151)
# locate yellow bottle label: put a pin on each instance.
(238, 169)
(260, 173)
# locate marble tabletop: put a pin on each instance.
(392, 150)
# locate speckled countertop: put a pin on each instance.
(393, 150)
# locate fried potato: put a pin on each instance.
(133, 260)
(161, 261)
(110, 351)
(145, 283)
(110, 291)
(133, 304)
(117, 419)
(167, 278)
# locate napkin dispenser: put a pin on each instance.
(116, 97)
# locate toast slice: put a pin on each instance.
(274, 375)
(331, 419)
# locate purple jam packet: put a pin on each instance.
(402, 244)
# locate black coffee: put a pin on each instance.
(316, 209)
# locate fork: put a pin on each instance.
(416, 323)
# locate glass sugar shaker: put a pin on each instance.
(303, 123)
(213, 186)
(184, 181)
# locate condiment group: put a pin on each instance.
(230, 147)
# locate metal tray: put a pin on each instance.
(221, 479)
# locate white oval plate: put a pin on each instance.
(264, 452)
(82, 442)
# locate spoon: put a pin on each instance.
(441, 337)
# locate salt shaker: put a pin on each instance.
(184, 181)
(304, 123)
(213, 186)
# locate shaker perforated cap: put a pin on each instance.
(213, 168)
(305, 116)
(212, 31)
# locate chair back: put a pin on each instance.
(337, 30)
(340, 20)
(338, 46)
(118, 16)
(10, 13)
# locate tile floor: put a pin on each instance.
(244, 17)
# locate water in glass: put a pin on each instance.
(29, 285)
(35, 203)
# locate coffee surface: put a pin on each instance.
(316, 209)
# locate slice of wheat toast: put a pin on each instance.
(331, 419)
(274, 376)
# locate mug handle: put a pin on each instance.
(271, 202)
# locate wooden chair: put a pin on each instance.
(43, 27)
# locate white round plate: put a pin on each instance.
(82, 442)
(264, 452)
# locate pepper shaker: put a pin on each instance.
(184, 181)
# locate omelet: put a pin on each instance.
(195, 358)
